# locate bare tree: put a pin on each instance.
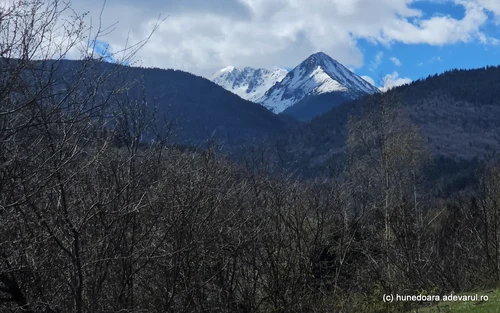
(386, 154)
(53, 135)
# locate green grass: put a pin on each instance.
(492, 305)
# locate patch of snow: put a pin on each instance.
(248, 83)
(316, 75)
(229, 68)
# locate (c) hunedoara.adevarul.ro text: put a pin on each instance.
(433, 298)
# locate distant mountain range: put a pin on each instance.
(319, 74)
(248, 83)
(197, 108)
(457, 113)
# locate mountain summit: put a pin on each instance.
(248, 83)
(318, 74)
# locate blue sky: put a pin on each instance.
(421, 60)
(388, 42)
(415, 61)
(101, 50)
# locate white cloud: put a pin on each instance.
(396, 61)
(435, 59)
(376, 62)
(368, 79)
(393, 80)
(490, 5)
(202, 36)
(440, 30)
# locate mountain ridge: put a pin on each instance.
(248, 83)
(318, 74)
(195, 108)
(457, 113)
(278, 90)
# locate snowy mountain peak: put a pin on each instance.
(227, 69)
(317, 74)
(248, 83)
(319, 57)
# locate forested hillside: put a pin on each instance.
(456, 112)
(312, 106)
(93, 218)
(193, 109)
(200, 109)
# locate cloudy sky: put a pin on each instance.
(386, 41)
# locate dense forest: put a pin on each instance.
(93, 218)
(457, 114)
(188, 106)
(312, 106)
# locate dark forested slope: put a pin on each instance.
(457, 112)
(198, 108)
(315, 105)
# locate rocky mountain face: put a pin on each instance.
(248, 83)
(318, 74)
(279, 90)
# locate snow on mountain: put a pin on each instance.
(316, 75)
(248, 83)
